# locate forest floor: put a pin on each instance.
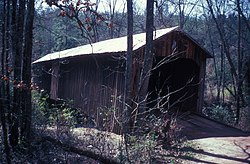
(208, 142)
(213, 142)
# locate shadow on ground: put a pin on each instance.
(215, 142)
(196, 127)
(219, 157)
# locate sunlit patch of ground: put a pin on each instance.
(214, 142)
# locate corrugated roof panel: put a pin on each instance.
(106, 46)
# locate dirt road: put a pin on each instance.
(215, 143)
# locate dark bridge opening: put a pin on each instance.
(173, 85)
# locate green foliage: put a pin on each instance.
(244, 119)
(39, 106)
(108, 118)
(53, 33)
(49, 113)
(220, 113)
(139, 149)
(142, 148)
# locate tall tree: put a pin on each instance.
(16, 53)
(128, 72)
(148, 57)
(26, 73)
(240, 62)
(228, 25)
(3, 110)
(17, 25)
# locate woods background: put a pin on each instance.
(221, 26)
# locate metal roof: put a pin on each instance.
(106, 46)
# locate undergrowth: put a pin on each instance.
(157, 141)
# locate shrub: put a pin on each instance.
(220, 113)
(54, 113)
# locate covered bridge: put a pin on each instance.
(93, 75)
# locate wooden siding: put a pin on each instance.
(54, 80)
(95, 84)
(185, 48)
(177, 43)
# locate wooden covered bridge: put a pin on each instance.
(93, 75)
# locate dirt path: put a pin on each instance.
(215, 143)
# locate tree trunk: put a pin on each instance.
(129, 73)
(7, 59)
(222, 78)
(181, 15)
(223, 40)
(148, 58)
(2, 87)
(13, 136)
(239, 77)
(26, 74)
